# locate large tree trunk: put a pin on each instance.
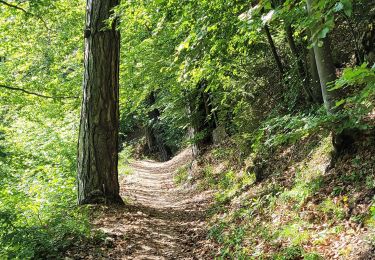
(98, 135)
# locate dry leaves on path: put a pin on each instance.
(160, 220)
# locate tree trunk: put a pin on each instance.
(202, 123)
(342, 141)
(326, 71)
(98, 135)
(300, 66)
(294, 50)
(314, 80)
(274, 50)
(155, 133)
(368, 44)
(325, 67)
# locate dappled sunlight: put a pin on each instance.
(159, 220)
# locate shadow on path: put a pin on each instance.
(159, 221)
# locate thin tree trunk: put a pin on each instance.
(155, 134)
(314, 80)
(325, 67)
(202, 123)
(300, 66)
(294, 50)
(326, 71)
(98, 136)
(274, 50)
(344, 139)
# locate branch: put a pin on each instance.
(25, 11)
(37, 94)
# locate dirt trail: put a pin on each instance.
(159, 221)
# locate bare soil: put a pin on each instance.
(159, 220)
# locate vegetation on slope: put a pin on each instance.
(301, 209)
(288, 86)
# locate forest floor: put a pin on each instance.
(300, 210)
(159, 220)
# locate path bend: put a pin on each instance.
(160, 220)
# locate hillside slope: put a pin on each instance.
(300, 209)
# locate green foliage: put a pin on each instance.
(35, 58)
(182, 175)
(42, 238)
(372, 211)
(293, 233)
(334, 210)
(221, 153)
(209, 180)
(168, 48)
(41, 46)
(355, 109)
(125, 158)
(232, 242)
(322, 18)
(37, 198)
(296, 252)
(289, 253)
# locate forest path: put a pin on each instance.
(160, 220)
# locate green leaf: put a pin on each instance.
(323, 33)
(348, 7)
(339, 103)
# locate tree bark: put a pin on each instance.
(368, 43)
(326, 71)
(325, 67)
(274, 50)
(99, 127)
(314, 78)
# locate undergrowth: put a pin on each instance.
(39, 218)
(182, 175)
(125, 158)
(300, 206)
(292, 214)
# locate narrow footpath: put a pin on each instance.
(159, 221)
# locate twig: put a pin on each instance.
(25, 11)
(37, 94)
